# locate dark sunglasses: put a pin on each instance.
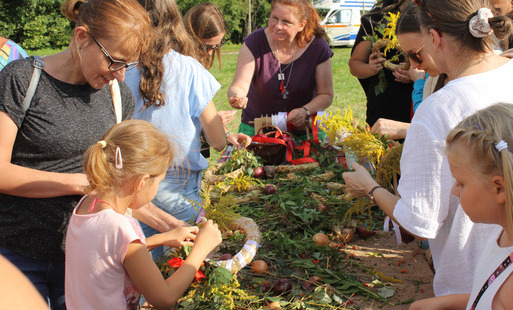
(210, 47)
(415, 56)
(423, 5)
(115, 65)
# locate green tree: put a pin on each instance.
(34, 24)
(235, 13)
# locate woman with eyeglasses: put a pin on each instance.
(458, 36)
(423, 71)
(206, 25)
(388, 92)
(41, 149)
(174, 92)
(285, 67)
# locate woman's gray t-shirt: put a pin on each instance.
(62, 122)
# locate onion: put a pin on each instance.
(269, 189)
(259, 267)
(321, 239)
(226, 256)
(258, 172)
(270, 171)
(346, 235)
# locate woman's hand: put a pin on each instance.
(238, 102)
(359, 182)
(393, 130)
(297, 117)
(226, 116)
(376, 62)
(402, 75)
(239, 140)
(179, 236)
(416, 74)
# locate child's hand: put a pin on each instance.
(180, 236)
(209, 236)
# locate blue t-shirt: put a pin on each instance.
(188, 88)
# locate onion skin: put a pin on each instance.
(259, 267)
(321, 239)
(270, 171)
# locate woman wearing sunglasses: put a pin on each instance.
(458, 36)
(285, 67)
(426, 76)
(205, 24)
(41, 149)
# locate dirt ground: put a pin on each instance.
(404, 265)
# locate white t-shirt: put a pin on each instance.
(96, 246)
(427, 208)
(492, 256)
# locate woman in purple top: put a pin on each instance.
(285, 67)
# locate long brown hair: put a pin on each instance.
(121, 20)
(453, 18)
(305, 12)
(205, 21)
(169, 34)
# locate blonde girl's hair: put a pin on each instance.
(305, 12)
(116, 20)
(143, 148)
(479, 134)
(169, 34)
(205, 21)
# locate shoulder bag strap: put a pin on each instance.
(31, 90)
(116, 100)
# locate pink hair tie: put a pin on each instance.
(119, 159)
(479, 26)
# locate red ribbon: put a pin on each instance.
(176, 262)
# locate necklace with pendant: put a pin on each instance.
(281, 75)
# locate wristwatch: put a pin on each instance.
(371, 193)
(307, 112)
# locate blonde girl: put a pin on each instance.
(107, 261)
(481, 163)
(41, 148)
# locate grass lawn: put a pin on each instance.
(347, 89)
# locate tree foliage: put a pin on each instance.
(34, 24)
(38, 24)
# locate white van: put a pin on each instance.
(342, 21)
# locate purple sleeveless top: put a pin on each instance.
(264, 96)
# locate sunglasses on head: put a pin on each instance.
(423, 5)
(415, 56)
(210, 47)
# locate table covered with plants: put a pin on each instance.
(294, 238)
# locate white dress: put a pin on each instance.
(427, 208)
(492, 256)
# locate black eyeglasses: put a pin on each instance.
(115, 65)
(423, 5)
(210, 47)
(415, 56)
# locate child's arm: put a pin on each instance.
(447, 302)
(164, 293)
(173, 238)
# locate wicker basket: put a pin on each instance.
(271, 153)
